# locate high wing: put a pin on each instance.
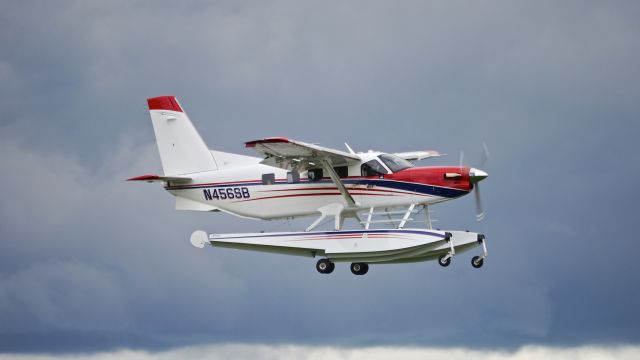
(418, 155)
(300, 156)
(297, 155)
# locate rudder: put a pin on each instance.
(181, 148)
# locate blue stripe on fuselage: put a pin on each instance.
(423, 189)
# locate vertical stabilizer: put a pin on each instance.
(182, 150)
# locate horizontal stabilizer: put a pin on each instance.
(156, 178)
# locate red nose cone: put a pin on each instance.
(445, 176)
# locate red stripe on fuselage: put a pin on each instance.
(350, 189)
(314, 194)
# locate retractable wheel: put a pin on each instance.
(444, 260)
(325, 266)
(477, 262)
(359, 268)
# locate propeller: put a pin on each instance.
(475, 176)
(484, 155)
(483, 161)
(479, 208)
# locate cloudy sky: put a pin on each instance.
(90, 263)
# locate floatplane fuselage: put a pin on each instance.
(297, 179)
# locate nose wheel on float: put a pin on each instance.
(444, 260)
(477, 261)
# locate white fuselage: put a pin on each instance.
(241, 191)
(210, 180)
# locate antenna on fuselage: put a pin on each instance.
(350, 149)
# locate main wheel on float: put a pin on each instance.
(325, 266)
(359, 268)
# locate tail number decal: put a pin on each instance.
(226, 193)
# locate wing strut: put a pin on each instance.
(334, 209)
(326, 164)
(405, 218)
(366, 227)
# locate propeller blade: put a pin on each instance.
(461, 158)
(485, 154)
(479, 209)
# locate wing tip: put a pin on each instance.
(269, 140)
(144, 178)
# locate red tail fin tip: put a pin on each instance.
(164, 103)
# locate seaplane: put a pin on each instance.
(292, 179)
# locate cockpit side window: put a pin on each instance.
(395, 163)
(372, 168)
(315, 174)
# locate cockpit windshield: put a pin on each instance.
(372, 168)
(395, 163)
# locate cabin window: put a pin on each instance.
(268, 179)
(372, 168)
(342, 171)
(293, 177)
(395, 163)
(315, 174)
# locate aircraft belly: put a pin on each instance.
(285, 207)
